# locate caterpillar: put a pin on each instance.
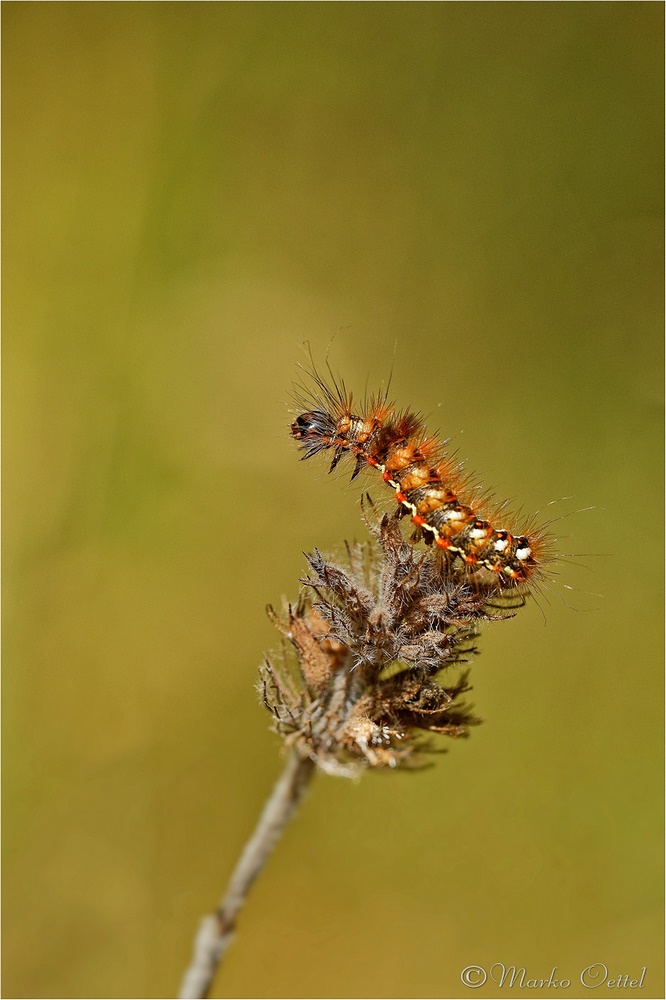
(430, 487)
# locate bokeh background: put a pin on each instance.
(469, 193)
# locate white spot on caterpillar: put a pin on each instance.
(478, 533)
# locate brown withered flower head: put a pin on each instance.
(375, 639)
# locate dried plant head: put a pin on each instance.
(374, 640)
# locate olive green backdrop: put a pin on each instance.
(468, 192)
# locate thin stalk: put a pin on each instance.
(216, 930)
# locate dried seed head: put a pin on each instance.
(372, 638)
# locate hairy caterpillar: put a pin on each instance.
(429, 486)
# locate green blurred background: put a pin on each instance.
(191, 191)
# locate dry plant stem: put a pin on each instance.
(216, 931)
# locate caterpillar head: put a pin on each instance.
(314, 427)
